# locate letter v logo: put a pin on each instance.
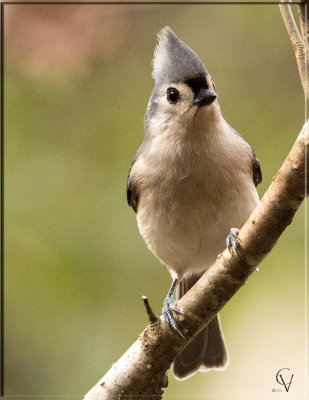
(281, 381)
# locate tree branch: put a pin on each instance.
(304, 21)
(142, 369)
(298, 41)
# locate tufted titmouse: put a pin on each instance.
(192, 180)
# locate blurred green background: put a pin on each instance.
(77, 83)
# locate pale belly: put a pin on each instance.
(187, 230)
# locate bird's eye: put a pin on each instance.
(172, 95)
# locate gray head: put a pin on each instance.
(182, 83)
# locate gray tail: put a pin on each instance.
(207, 350)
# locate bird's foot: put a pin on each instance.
(169, 305)
(231, 240)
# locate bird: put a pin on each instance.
(192, 184)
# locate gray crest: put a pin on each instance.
(174, 61)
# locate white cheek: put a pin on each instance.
(171, 118)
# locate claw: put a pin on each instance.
(177, 311)
(168, 303)
(231, 240)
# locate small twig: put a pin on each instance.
(290, 23)
(151, 315)
(303, 23)
(296, 39)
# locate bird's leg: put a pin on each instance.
(231, 240)
(166, 310)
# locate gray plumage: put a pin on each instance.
(192, 180)
(207, 351)
(174, 61)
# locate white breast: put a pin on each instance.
(191, 193)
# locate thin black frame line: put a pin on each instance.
(2, 204)
(155, 2)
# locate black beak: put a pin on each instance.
(204, 97)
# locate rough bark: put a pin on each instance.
(141, 371)
(304, 21)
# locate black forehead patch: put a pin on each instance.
(197, 83)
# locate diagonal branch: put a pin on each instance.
(304, 20)
(297, 40)
(290, 23)
(141, 371)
